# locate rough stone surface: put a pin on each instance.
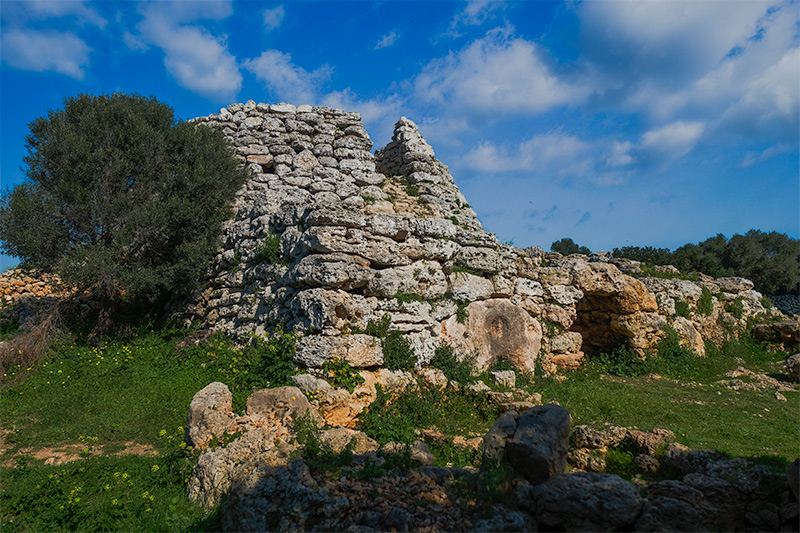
(209, 414)
(585, 501)
(538, 449)
(496, 329)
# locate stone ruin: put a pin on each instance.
(328, 236)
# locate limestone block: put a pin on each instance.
(734, 284)
(210, 414)
(480, 259)
(689, 335)
(563, 294)
(336, 271)
(281, 401)
(339, 438)
(585, 501)
(394, 226)
(496, 329)
(332, 216)
(319, 309)
(423, 278)
(359, 350)
(567, 342)
(505, 378)
(527, 287)
(538, 449)
(468, 287)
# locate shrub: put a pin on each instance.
(682, 308)
(380, 327)
(407, 297)
(121, 199)
(342, 375)
(621, 361)
(269, 251)
(705, 306)
(397, 352)
(461, 312)
(736, 307)
(767, 303)
(455, 368)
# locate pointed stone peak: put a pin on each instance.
(408, 153)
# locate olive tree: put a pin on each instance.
(120, 199)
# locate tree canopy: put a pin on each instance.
(567, 246)
(120, 197)
(771, 260)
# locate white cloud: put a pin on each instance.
(753, 157)
(675, 139)
(198, 60)
(43, 51)
(387, 40)
(552, 155)
(289, 82)
(497, 74)
(668, 40)
(133, 42)
(43, 9)
(657, 146)
(770, 105)
(733, 65)
(273, 17)
(477, 12)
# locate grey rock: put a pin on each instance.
(340, 438)
(585, 501)
(588, 437)
(538, 449)
(358, 350)
(210, 414)
(669, 514)
(505, 378)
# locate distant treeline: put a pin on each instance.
(771, 260)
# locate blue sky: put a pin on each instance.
(613, 123)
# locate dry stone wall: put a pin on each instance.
(328, 236)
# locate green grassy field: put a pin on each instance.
(137, 390)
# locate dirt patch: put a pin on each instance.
(59, 455)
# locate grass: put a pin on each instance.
(136, 390)
(695, 404)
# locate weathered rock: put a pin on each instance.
(588, 437)
(359, 351)
(281, 403)
(585, 501)
(494, 442)
(496, 329)
(505, 378)
(210, 414)
(339, 438)
(669, 514)
(538, 449)
(650, 442)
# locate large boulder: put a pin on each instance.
(585, 501)
(281, 403)
(496, 329)
(538, 449)
(210, 414)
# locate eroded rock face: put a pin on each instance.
(210, 414)
(496, 329)
(585, 501)
(328, 237)
(538, 449)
